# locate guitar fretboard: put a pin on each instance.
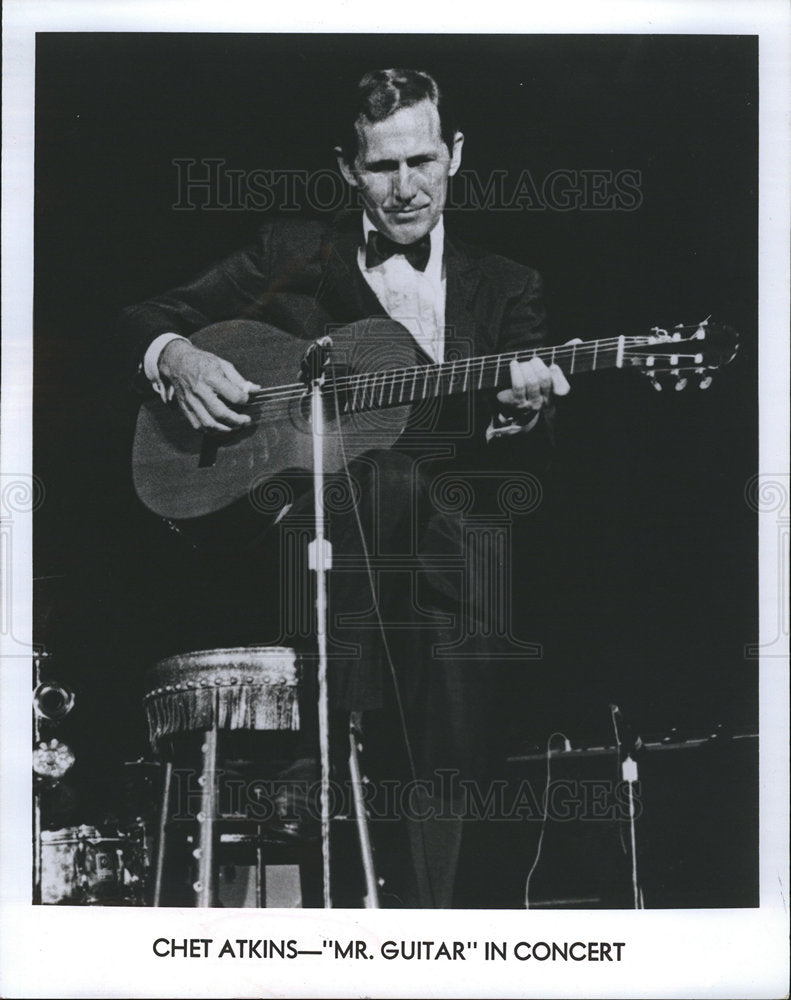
(400, 386)
(702, 348)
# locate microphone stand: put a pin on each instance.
(314, 368)
(630, 775)
(628, 749)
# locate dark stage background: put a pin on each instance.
(638, 572)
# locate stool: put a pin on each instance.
(251, 688)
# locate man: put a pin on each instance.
(393, 261)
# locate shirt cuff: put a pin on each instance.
(501, 426)
(151, 364)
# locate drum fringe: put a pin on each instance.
(240, 707)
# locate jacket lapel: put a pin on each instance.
(461, 283)
(343, 287)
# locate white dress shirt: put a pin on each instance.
(416, 299)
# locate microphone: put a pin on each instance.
(316, 360)
(629, 742)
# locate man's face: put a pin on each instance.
(402, 169)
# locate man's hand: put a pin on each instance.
(533, 385)
(203, 384)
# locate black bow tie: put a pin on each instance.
(379, 248)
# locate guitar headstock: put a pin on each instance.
(687, 354)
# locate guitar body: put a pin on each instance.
(182, 473)
(371, 388)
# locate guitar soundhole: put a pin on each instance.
(336, 398)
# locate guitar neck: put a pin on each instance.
(687, 350)
(400, 386)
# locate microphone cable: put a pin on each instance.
(566, 746)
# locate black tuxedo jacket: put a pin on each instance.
(300, 275)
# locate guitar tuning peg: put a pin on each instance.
(705, 382)
(681, 383)
(654, 384)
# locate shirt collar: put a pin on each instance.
(437, 236)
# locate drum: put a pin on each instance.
(80, 866)
(246, 687)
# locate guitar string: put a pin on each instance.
(574, 351)
(378, 380)
(277, 407)
(364, 381)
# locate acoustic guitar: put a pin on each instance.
(372, 387)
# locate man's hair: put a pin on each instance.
(383, 92)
